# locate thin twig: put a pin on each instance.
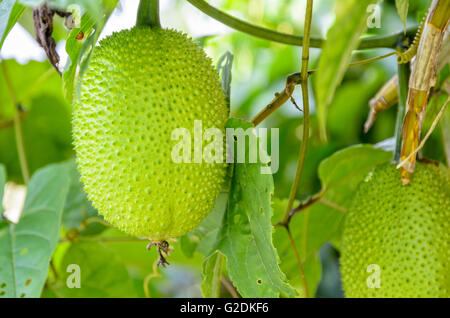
(299, 261)
(296, 79)
(333, 205)
(96, 219)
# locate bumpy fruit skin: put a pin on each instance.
(141, 85)
(405, 230)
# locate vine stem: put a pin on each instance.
(304, 84)
(385, 41)
(148, 14)
(17, 126)
(154, 274)
(299, 261)
(403, 77)
(303, 148)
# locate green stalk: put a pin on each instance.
(386, 41)
(403, 78)
(17, 126)
(148, 14)
(304, 146)
(304, 83)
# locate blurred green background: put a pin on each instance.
(259, 71)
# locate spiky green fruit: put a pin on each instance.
(398, 236)
(141, 85)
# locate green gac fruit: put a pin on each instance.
(141, 85)
(396, 239)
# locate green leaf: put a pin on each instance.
(80, 51)
(78, 208)
(10, 12)
(211, 272)
(402, 9)
(102, 273)
(75, 49)
(224, 66)
(2, 187)
(246, 234)
(346, 163)
(340, 175)
(26, 247)
(342, 38)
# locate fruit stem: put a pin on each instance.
(148, 14)
(163, 249)
(403, 78)
(385, 41)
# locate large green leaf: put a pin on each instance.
(101, 273)
(347, 163)
(341, 173)
(342, 38)
(10, 12)
(26, 247)
(246, 234)
(211, 272)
